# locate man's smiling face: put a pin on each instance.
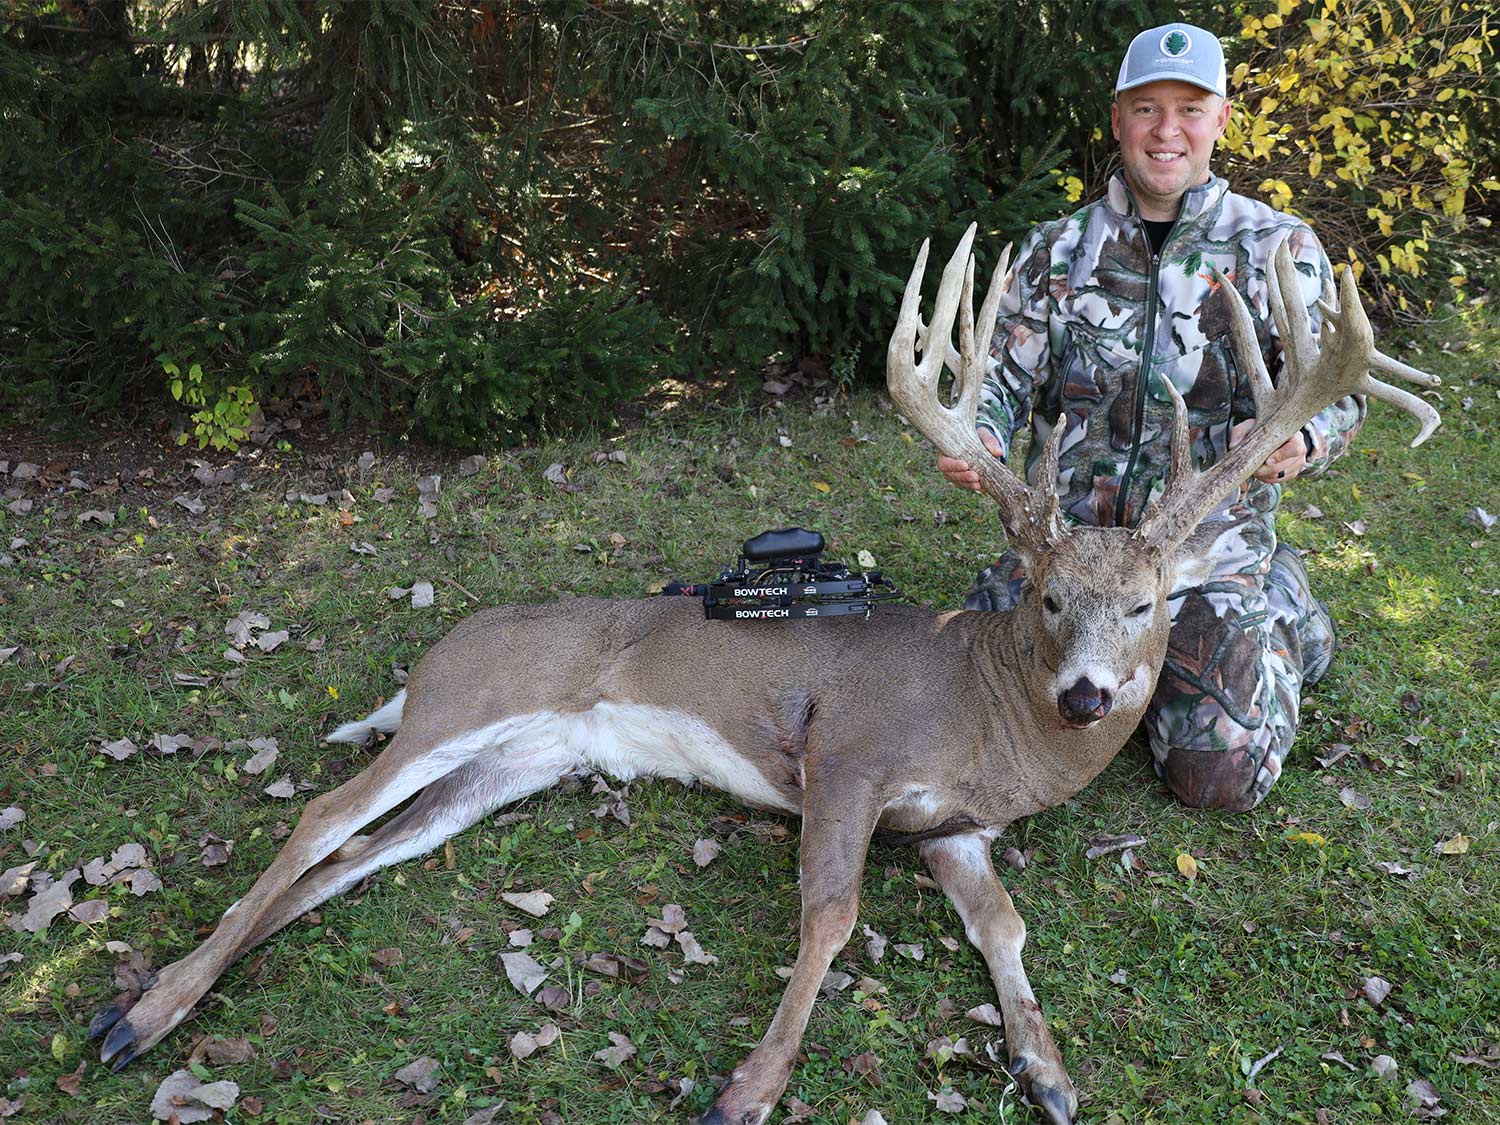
(1167, 131)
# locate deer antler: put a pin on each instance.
(1030, 515)
(1315, 373)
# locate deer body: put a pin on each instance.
(941, 727)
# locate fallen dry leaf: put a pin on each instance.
(187, 1098)
(119, 750)
(911, 949)
(45, 905)
(282, 789)
(987, 1014)
(1375, 990)
(535, 903)
(264, 756)
(615, 1056)
(692, 952)
(420, 1075)
(875, 943)
(706, 851)
(523, 1044)
(1187, 866)
(948, 1101)
(1354, 800)
(94, 910)
(523, 971)
(1458, 845)
(11, 817)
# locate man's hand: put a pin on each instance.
(1283, 465)
(958, 472)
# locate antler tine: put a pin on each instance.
(1314, 375)
(914, 385)
(1299, 349)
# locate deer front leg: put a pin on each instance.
(835, 836)
(962, 867)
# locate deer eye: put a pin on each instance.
(1143, 608)
(1049, 603)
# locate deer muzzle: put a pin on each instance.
(1085, 703)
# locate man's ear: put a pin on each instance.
(1225, 110)
(1114, 119)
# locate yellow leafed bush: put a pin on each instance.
(1356, 115)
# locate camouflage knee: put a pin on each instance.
(1225, 710)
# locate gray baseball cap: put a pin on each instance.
(1176, 51)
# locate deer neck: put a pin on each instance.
(1047, 761)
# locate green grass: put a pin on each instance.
(1268, 945)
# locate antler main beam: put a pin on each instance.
(1315, 373)
(1030, 515)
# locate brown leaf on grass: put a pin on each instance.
(1486, 1055)
(616, 1055)
(1353, 799)
(535, 903)
(875, 943)
(194, 507)
(70, 1083)
(706, 851)
(11, 817)
(94, 910)
(554, 998)
(1101, 846)
(617, 966)
(948, 1101)
(1396, 869)
(281, 789)
(420, 1075)
(520, 938)
(556, 474)
(170, 743)
(45, 905)
(987, 1014)
(387, 957)
(14, 880)
(656, 939)
(692, 952)
(1335, 752)
(120, 749)
(1375, 990)
(523, 1044)
(216, 851)
(834, 981)
(1457, 845)
(798, 1112)
(9, 1107)
(523, 971)
(1422, 1098)
(223, 1052)
(270, 642)
(183, 1096)
(673, 919)
(143, 882)
(472, 465)
(265, 754)
(911, 949)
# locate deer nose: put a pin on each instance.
(1084, 703)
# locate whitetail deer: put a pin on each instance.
(944, 727)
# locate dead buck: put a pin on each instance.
(942, 727)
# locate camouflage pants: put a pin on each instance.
(1242, 646)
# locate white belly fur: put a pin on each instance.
(629, 740)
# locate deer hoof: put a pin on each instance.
(120, 1045)
(1055, 1102)
(752, 1116)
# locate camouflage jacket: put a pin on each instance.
(1089, 312)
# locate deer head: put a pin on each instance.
(1096, 600)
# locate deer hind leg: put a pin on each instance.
(442, 810)
(834, 842)
(961, 865)
(410, 764)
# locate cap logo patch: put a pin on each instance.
(1175, 44)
